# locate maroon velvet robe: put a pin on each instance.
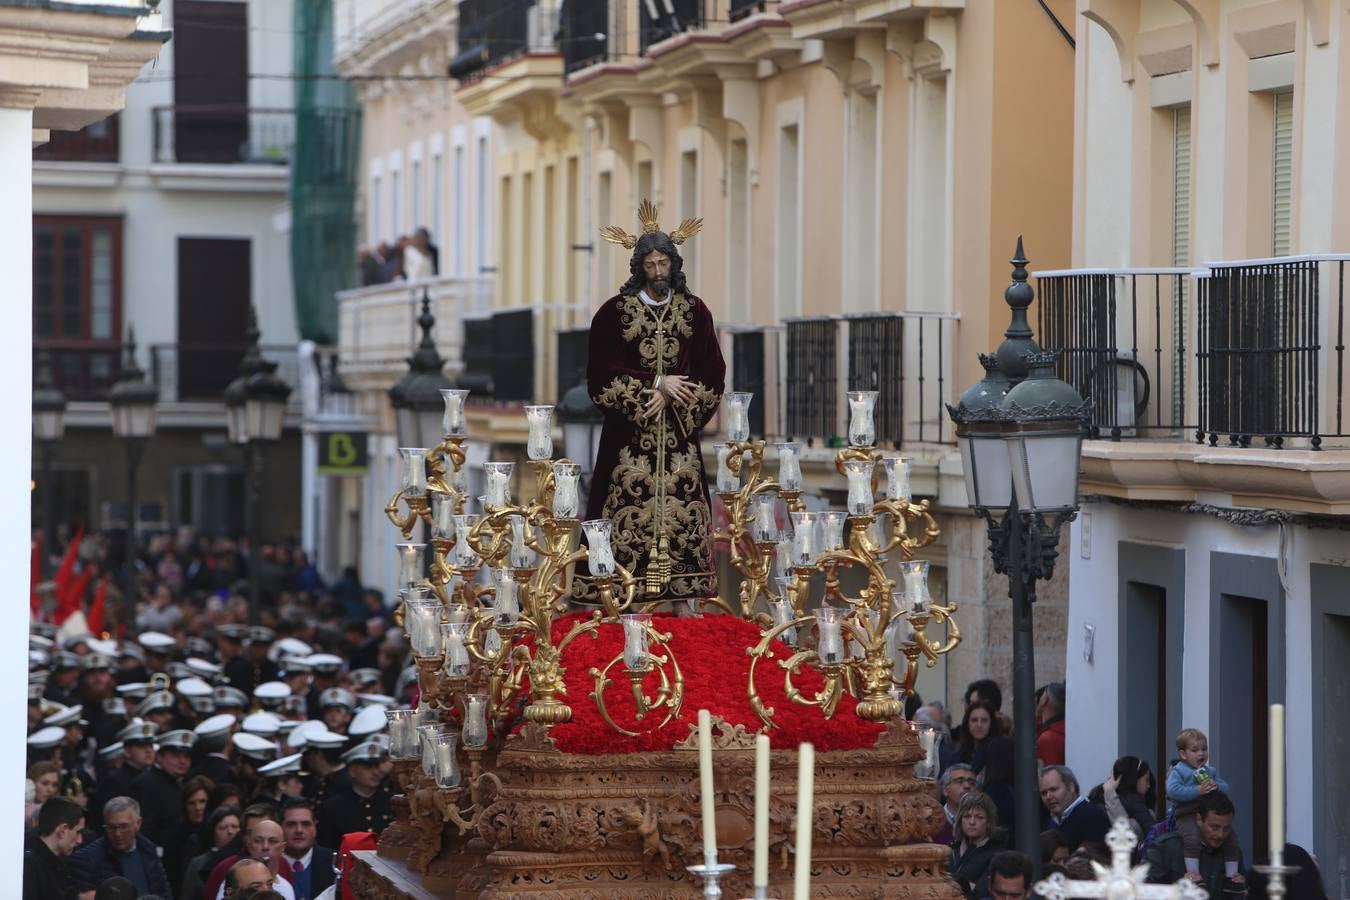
(626, 336)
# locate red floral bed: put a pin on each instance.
(711, 652)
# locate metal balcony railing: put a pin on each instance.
(572, 358)
(1247, 350)
(904, 357)
(1271, 350)
(491, 32)
(227, 134)
(743, 9)
(812, 381)
(1124, 335)
(589, 31)
(200, 371)
(83, 370)
(683, 15)
(499, 357)
(377, 325)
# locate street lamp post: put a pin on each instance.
(1020, 431)
(132, 402)
(416, 397)
(49, 427)
(255, 413)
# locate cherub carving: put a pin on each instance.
(643, 819)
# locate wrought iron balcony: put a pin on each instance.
(905, 356)
(1247, 351)
(671, 17)
(588, 32)
(1124, 335)
(377, 326)
(83, 370)
(1271, 350)
(200, 371)
(742, 9)
(499, 357)
(491, 32)
(226, 134)
(183, 372)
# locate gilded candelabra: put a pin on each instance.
(858, 646)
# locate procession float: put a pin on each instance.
(556, 753)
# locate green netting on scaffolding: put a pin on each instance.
(323, 176)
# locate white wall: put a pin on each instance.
(1107, 135)
(1093, 718)
(154, 218)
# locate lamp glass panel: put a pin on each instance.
(49, 425)
(430, 426)
(236, 424)
(133, 420)
(405, 424)
(1045, 470)
(264, 419)
(993, 479)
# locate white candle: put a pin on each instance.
(452, 421)
(806, 774)
(761, 811)
(539, 445)
(705, 774)
(1276, 780)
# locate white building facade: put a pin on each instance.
(1211, 572)
(172, 219)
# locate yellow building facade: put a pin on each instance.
(863, 167)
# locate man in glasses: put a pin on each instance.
(957, 781)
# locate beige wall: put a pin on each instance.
(1139, 61)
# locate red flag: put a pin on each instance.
(71, 600)
(67, 570)
(35, 574)
(95, 616)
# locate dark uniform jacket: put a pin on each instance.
(218, 768)
(160, 797)
(329, 785)
(94, 864)
(45, 876)
(347, 811)
(244, 675)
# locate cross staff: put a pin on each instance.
(1120, 882)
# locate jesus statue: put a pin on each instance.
(656, 371)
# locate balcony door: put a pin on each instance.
(77, 300)
(210, 83)
(214, 293)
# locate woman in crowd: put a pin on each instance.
(214, 834)
(979, 726)
(977, 839)
(46, 779)
(1055, 849)
(196, 793)
(1130, 793)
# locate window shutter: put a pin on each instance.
(1181, 186)
(1282, 194)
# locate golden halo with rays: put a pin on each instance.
(647, 218)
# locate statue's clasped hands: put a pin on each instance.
(673, 388)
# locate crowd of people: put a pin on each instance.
(1184, 825)
(410, 258)
(203, 757)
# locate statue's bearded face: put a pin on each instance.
(656, 269)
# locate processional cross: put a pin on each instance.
(1120, 882)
